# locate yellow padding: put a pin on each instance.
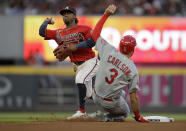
(162, 70)
(68, 70)
(32, 70)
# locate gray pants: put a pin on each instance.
(117, 106)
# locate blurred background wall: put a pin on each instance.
(11, 37)
(32, 79)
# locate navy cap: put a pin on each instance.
(68, 9)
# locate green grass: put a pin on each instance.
(17, 117)
(27, 117)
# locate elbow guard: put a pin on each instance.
(91, 42)
(43, 28)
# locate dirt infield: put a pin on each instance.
(62, 125)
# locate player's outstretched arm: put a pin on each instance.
(44, 26)
(135, 107)
(97, 30)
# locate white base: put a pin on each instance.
(159, 119)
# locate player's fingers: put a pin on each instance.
(47, 19)
(58, 47)
(55, 50)
(55, 54)
(113, 8)
(59, 51)
(58, 56)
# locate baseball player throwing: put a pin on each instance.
(84, 60)
(116, 71)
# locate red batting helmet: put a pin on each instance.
(127, 44)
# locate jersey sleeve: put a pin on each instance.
(102, 46)
(134, 83)
(98, 28)
(50, 34)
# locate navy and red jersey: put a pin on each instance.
(73, 35)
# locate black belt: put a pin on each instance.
(79, 63)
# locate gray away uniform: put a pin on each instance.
(115, 72)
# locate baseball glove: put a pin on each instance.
(63, 51)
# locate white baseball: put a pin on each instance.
(52, 21)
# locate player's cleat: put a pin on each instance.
(78, 114)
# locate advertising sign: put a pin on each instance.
(159, 39)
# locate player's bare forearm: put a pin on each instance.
(135, 107)
(134, 101)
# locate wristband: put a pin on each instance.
(137, 114)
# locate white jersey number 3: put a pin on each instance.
(112, 76)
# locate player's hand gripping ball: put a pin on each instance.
(50, 20)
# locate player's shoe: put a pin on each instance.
(78, 114)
